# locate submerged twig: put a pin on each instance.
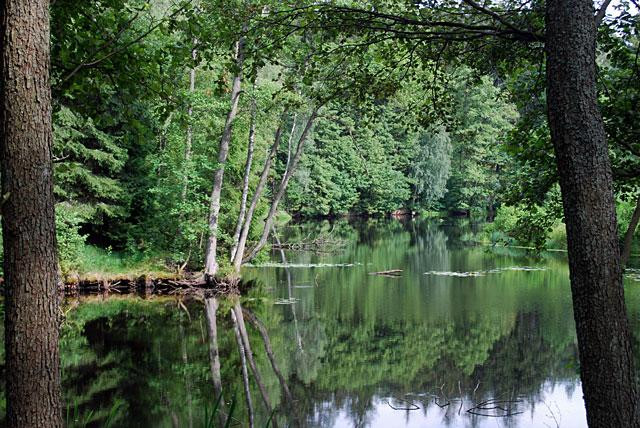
(412, 406)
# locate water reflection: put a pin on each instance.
(353, 349)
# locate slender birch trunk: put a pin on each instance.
(283, 257)
(245, 374)
(628, 236)
(249, 354)
(283, 187)
(289, 142)
(237, 261)
(247, 174)
(269, 350)
(211, 263)
(211, 306)
(187, 148)
(187, 381)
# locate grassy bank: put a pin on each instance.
(94, 264)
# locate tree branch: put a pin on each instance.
(602, 12)
(503, 21)
(93, 63)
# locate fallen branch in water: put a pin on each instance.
(182, 286)
(392, 272)
(412, 406)
(494, 404)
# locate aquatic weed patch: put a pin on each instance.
(485, 272)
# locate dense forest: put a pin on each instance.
(141, 110)
(184, 133)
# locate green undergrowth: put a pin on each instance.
(538, 229)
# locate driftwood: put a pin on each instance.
(409, 405)
(185, 285)
(392, 273)
(483, 408)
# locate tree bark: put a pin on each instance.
(211, 263)
(577, 132)
(628, 236)
(247, 175)
(242, 242)
(28, 219)
(283, 187)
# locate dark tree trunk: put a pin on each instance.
(628, 236)
(28, 220)
(577, 131)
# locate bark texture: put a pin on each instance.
(577, 132)
(211, 263)
(628, 236)
(28, 220)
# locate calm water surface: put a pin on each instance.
(464, 337)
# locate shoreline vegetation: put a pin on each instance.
(106, 271)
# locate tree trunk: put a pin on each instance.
(269, 350)
(577, 132)
(247, 175)
(289, 142)
(185, 375)
(249, 354)
(242, 242)
(628, 236)
(283, 257)
(211, 308)
(283, 187)
(245, 373)
(28, 219)
(189, 142)
(211, 264)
